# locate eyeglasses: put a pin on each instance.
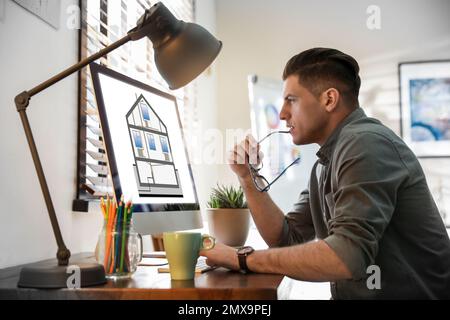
(260, 182)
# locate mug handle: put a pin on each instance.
(207, 238)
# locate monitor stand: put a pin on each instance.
(148, 223)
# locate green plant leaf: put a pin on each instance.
(227, 197)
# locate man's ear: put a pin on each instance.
(330, 99)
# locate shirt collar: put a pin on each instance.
(327, 149)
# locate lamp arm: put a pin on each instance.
(22, 101)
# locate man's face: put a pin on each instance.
(303, 113)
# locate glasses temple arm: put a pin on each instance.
(273, 132)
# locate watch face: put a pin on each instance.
(245, 250)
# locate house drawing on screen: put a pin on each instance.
(153, 166)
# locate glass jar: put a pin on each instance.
(119, 250)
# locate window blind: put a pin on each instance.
(102, 23)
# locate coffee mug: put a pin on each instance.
(182, 251)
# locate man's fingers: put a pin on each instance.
(252, 149)
(237, 156)
(245, 152)
(251, 139)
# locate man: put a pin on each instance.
(368, 203)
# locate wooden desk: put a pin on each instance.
(147, 283)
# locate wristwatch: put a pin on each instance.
(242, 254)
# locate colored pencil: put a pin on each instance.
(108, 205)
(117, 237)
(113, 231)
(124, 236)
(102, 207)
(111, 217)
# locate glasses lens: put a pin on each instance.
(261, 183)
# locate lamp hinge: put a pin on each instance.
(22, 101)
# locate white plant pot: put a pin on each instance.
(229, 226)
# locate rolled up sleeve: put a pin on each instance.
(368, 173)
(298, 225)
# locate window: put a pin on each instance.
(151, 142)
(145, 112)
(164, 144)
(102, 23)
(137, 140)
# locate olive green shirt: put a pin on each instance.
(368, 199)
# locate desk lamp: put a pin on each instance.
(182, 51)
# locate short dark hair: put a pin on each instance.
(321, 68)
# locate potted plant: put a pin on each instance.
(228, 215)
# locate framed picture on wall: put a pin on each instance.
(425, 107)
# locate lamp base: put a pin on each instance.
(56, 277)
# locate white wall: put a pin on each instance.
(32, 51)
(260, 36)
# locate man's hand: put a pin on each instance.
(222, 256)
(268, 217)
(242, 154)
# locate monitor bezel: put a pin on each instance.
(96, 70)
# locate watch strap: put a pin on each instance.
(242, 258)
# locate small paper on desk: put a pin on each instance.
(155, 255)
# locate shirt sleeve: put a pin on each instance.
(369, 173)
(298, 226)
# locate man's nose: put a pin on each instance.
(283, 113)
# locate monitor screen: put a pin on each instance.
(144, 143)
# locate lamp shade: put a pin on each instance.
(182, 50)
(186, 56)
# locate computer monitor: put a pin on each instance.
(146, 152)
